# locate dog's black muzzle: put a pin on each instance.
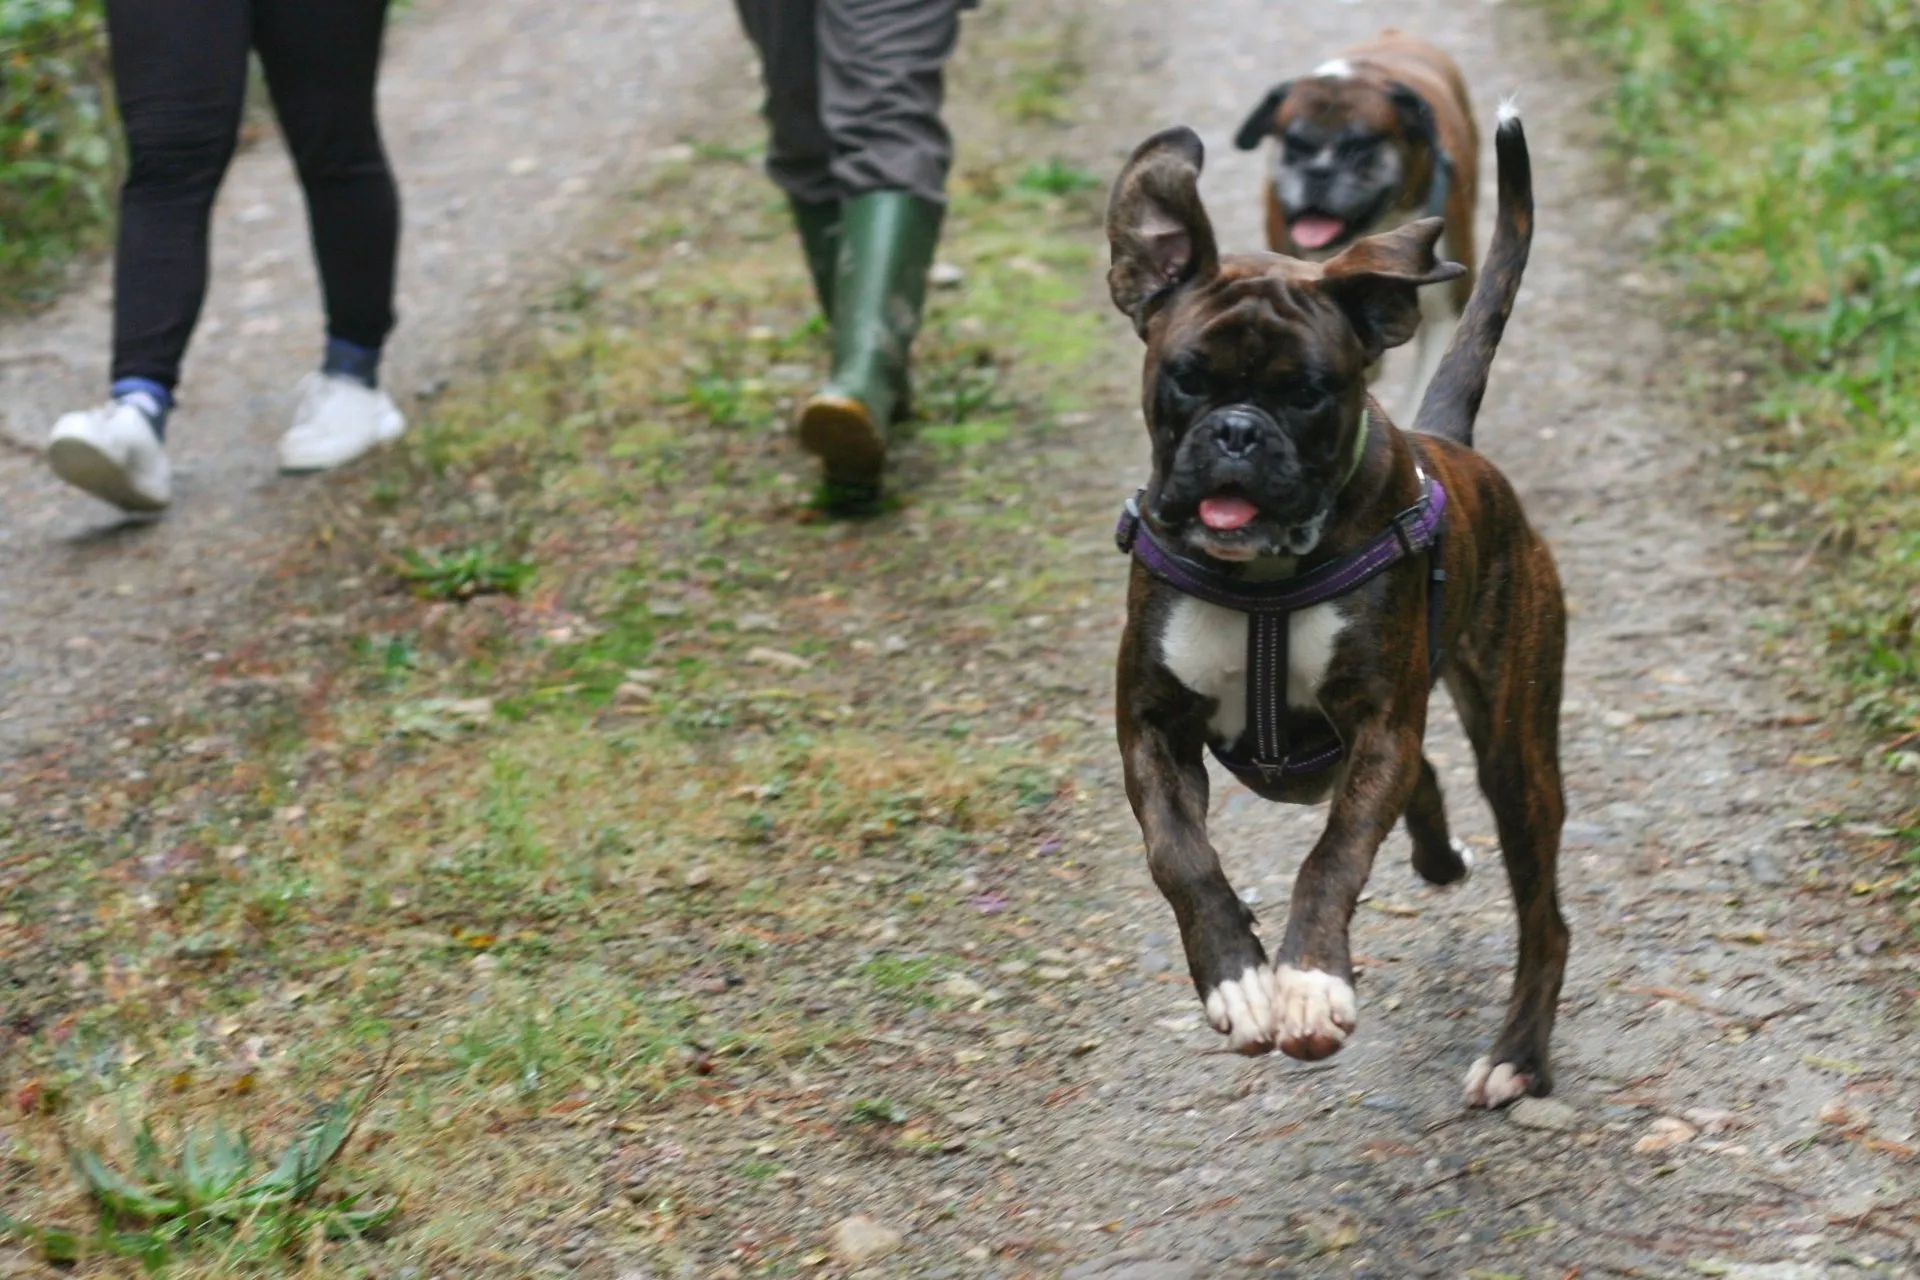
(1239, 449)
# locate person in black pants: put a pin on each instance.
(180, 74)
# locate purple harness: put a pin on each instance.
(1263, 752)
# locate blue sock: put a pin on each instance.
(147, 396)
(351, 360)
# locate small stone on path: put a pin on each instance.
(1840, 1113)
(1713, 1119)
(957, 986)
(859, 1240)
(1544, 1113)
(761, 656)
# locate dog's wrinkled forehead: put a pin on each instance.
(1332, 102)
(1260, 312)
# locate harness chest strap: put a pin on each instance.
(1264, 749)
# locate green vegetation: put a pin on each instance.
(213, 1195)
(464, 573)
(1054, 178)
(1781, 139)
(56, 156)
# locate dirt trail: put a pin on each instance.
(508, 123)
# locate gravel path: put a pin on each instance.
(509, 123)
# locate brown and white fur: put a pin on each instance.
(1358, 144)
(1255, 395)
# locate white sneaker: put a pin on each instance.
(338, 420)
(113, 454)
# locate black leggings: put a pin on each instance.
(180, 71)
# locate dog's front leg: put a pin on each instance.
(1167, 786)
(1313, 983)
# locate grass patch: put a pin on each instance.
(1054, 178)
(463, 574)
(1778, 138)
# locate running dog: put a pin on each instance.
(1303, 570)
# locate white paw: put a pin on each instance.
(1316, 1012)
(1242, 1011)
(1491, 1086)
(1466, 857)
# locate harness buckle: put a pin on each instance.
(1401, 535)
(1405, 524)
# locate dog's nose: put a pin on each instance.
(1236, 435)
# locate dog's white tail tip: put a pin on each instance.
(1509, 109)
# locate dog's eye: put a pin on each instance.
(1358, 148)
(1188, 381)
(1304, 396)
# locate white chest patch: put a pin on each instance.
(1205, 646)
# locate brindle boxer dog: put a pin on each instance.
(1377, 137)
(1269, 462)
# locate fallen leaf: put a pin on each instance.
(1667, 1131)
(761, 656)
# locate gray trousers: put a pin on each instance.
(853, 94)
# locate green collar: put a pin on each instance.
(1360, 438)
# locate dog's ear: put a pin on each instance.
(1259, 123)
(1416, 117)
(1376, 282)
(1158, 228)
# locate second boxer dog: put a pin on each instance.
(1301, 569)
(1377, 137)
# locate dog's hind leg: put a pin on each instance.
(1437, 856)
(1514, 722)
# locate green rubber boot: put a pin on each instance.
(819, 224)
(886, 246)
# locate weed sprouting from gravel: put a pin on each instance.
(213, 1192)
(462, 574)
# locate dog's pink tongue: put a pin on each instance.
(1312, 232)
(1226, 513)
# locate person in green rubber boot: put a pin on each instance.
(853, 105)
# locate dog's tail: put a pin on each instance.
(1453, 396)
